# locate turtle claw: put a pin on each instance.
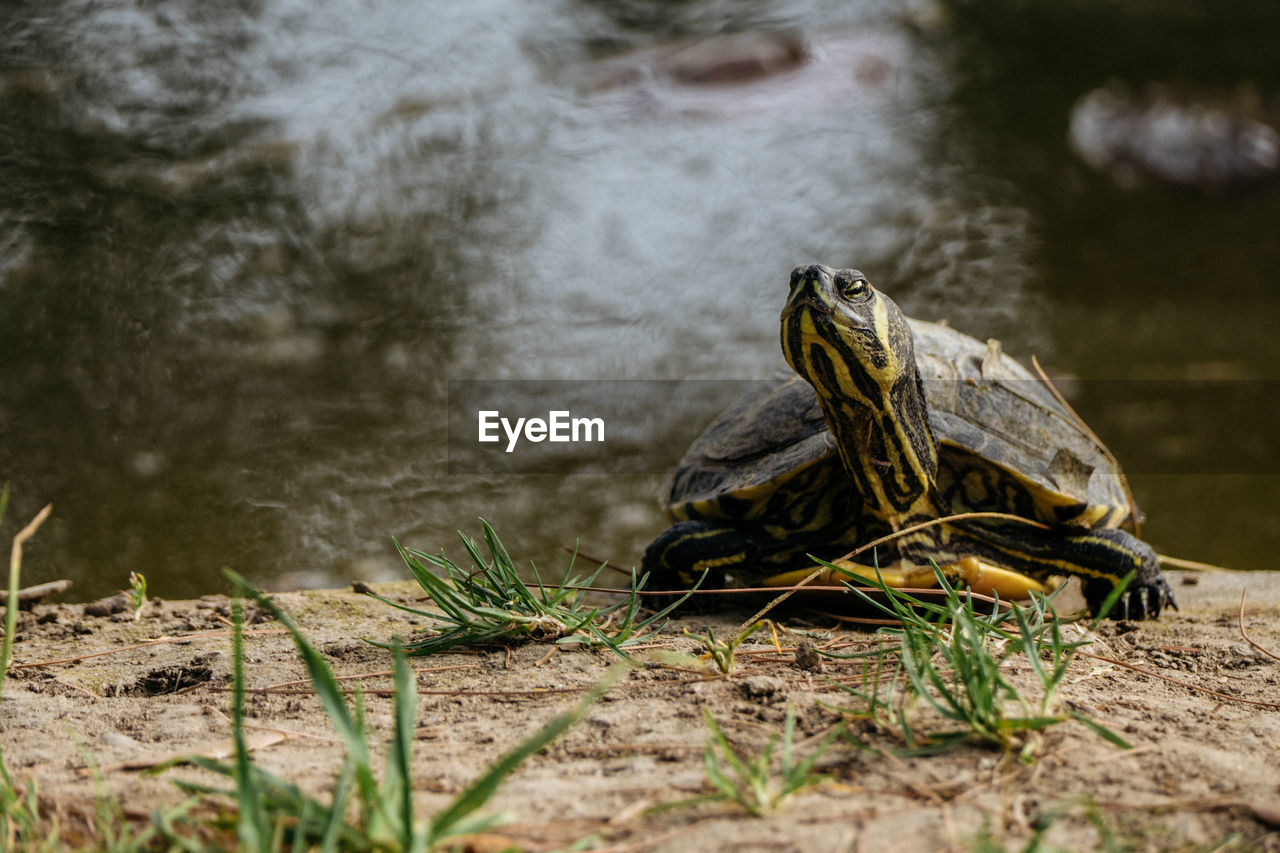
(1142, 600)
(1152, 598)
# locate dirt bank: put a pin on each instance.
(1203, 767)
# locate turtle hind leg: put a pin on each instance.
(975, 574)
(895, 575)
(989, 579)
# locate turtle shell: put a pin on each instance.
(752, 450)
(1005, 444)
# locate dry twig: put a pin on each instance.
(158, 641)
(1246, 636)
(37, 592)
(1225, 696)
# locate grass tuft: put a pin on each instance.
(752, 782)
(491, 604)
(952, 656)
(722, 651)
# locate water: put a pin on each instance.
(245, 248)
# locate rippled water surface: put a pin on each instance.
(245, 247)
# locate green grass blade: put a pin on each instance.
(441, 593)
(717, 777)
(251, 821)
(1029, 723)
(308, 817)
(281, 796)
(398, 780)
(453, 639)
(335, 823)
(10, 617)
(1101, 731)
(800, 777)
(495, 546)
(542, 587)
(492, 604)
(1110, 601)
(921, 673)
(609, 643)
(451, 820)
(399, 605)
(726, 749)
(938, 743)
(485, 567)
(1029, 644)
(163, 821)
(666, 611)
(325, 685)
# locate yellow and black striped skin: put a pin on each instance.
(853, 345)
(809, 510)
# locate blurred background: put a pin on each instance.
(245, 246)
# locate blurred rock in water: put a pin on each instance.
(1210, 142)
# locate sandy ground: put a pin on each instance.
(1204, 768)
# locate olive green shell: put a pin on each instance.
(1005, 442)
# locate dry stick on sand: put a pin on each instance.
(1084, 427)
(1246, 636)
(964, 516)
(1166, 561)
(36, 593)
(15, 567)
(1214, 693)
(385, 673)
(158, 641)
(15, 556)
(1188, 565)
(291, 691)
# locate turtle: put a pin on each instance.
(888, 423)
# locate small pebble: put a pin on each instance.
(108, 606)
(119, 740)
(763, 685)
(807, 658)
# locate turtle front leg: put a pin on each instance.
(680, 556)
(749, 552)
(1101, 558)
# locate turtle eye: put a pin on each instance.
(853, 289)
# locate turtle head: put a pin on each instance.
(854, 347)
(845, 338)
